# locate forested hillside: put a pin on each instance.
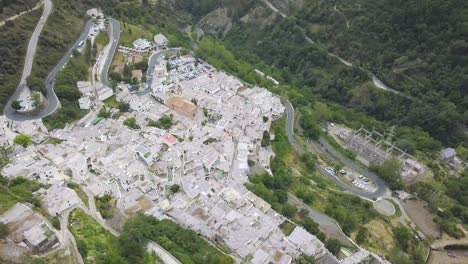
(401, 42)
(418, 47)
(10, 8)
(14, 37)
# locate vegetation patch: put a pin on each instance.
(17, 190)
(287, 228)
(130, 33)
(14, 37)
(105, 206)
(101, 40)
(79, 191)
(68, 94)
(165, 122)
(96, 244)
(184, 244)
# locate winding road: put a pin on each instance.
(53, 102)
(381, 188)
(114, 43)
(377, 82)
(28, 61)
(153, 60)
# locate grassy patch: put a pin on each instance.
(379, 238)
(184, 244)
(130, 33)
(60, 31)
(54, 141)
(287, 227)
(280, 144)
(101, 41)
(118, 57)
(96, 244)
(111, 102)
(11, 8)
(345, 152)
(79, 191)
(105, 206)
(17, 190)
(65, 87)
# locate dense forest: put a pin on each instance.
(308, 67)
(10, 8)
(418, 47)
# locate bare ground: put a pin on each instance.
(422, 217)
(457, 257)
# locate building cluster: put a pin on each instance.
(144, 45)
(449, 155)
(375, 149)
(197, 129)
(91, 92)
(29, 230)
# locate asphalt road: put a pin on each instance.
(115, 31)
(53, 102)
(381, 188)
(152, 64)
(29, 58)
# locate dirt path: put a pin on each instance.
(38, 5)
(341, 13)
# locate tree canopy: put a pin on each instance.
(23, 140)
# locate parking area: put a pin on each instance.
(353, 178)
(25, 100)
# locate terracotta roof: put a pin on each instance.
(182, 104)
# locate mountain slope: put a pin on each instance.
(429, 65)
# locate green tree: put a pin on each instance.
(15, 104)
(23, 140)
(304, 259)
(310, 225)
(361, 236)
(131, 123)
(36, 84)
(56, 223)
(124, 107)
(390, 172)
(36, 98)
(333, 245)
(404, 237)
(288, 210)
(265, 139)
(115, 76)
(104, 113)
(174, 188)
